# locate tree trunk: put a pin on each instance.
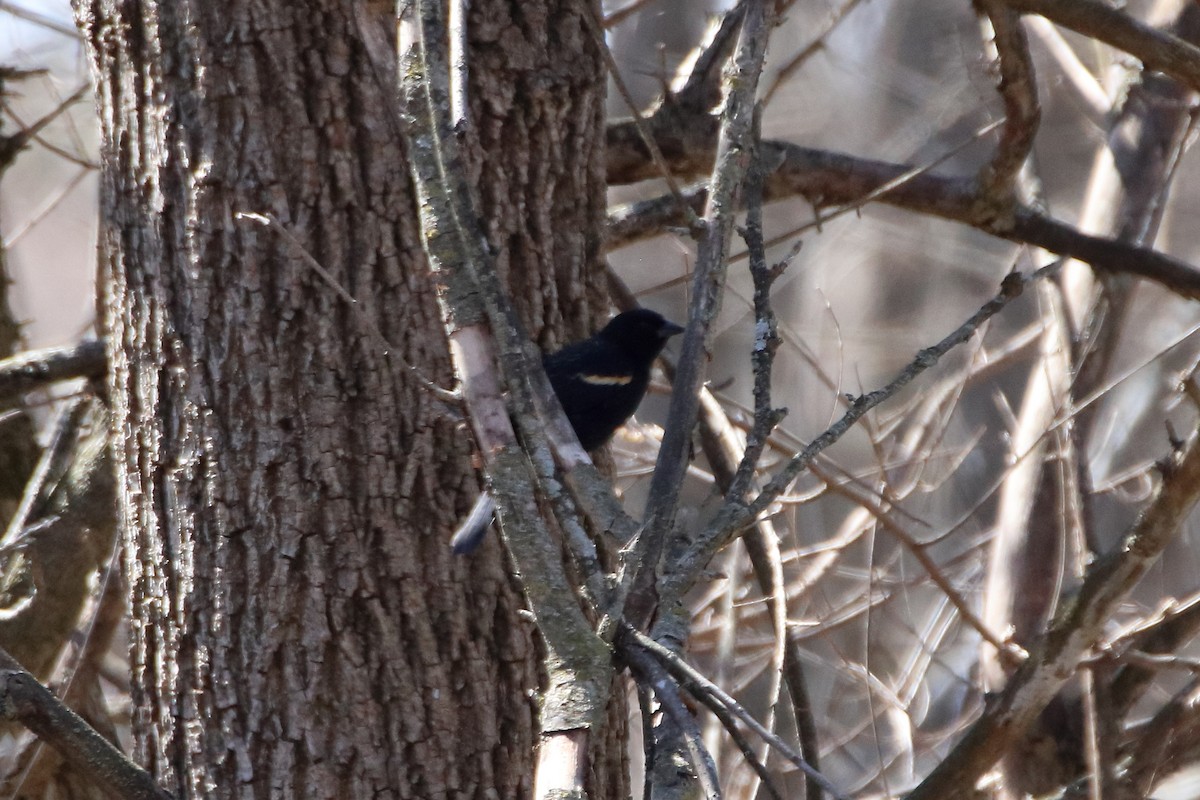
(300, 626)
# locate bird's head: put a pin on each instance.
(640, 332)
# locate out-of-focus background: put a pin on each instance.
(893, 671)
(48, 204)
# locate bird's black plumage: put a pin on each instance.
(599, 381)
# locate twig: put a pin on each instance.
(917, 549)
(37, 369)
(722, 448)
(766, 335)
(830, 24)
(700, 89)
(1018, 88)
(597, 30)
(802, 709)
(51, 467)
(1079, 76)
(45, 21)
(1162, 633)
(1151, 750)
(1105, 23)
(621, 14)
(734, 518)
(35, 216)
(728, 723)
(667, 692)
(699, 686)
(833, 178)
(25, 700)
(31, 131)
(1079, 623)
(762, 544)
(732, 162)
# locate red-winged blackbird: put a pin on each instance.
(600, 382)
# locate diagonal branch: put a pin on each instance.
(1098, 20)
(36, 369)
(734, 149)
(735, 516)
(1078, 625)
(32, 704)
(577, 662)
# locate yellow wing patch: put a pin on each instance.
(606, 380)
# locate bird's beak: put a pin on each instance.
(668, 330)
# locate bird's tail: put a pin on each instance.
(472, 530)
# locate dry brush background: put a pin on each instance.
(968, 506)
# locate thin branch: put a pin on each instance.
(614, 71)
(37, 215)
(734, 150)
(802, 710)
(487, 341)
(31, 131)
(722, 447)
(1077, 626)
(55, 460)
(1150, 754)
(658, 679)
(917, 549)
(1018, 88)
(766, 334)
(699, 90)
(733, 517)
(632, 640)
(1164, 632)
(37, 369)
(624, 12)
(797, 61)
(1098, 20)
(839, 179)
(44, 20)
(729, 723)
(1077, 74)
(25, 700)
(683, 122)
(829, 178)
(271, 221)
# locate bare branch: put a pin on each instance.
(699, 686)
(734, 517)
(793, 65)
(1075, 628)
(828, 178)
(24, 699)
(657, 679)
(37, 369)
(577, 661)
(1018, 87)
(734, 151)
(1103, 22)
(368, 324)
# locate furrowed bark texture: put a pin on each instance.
(300, 626)
(535, 150)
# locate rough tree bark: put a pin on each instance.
(300, 627)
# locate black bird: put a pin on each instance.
(600, 381)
